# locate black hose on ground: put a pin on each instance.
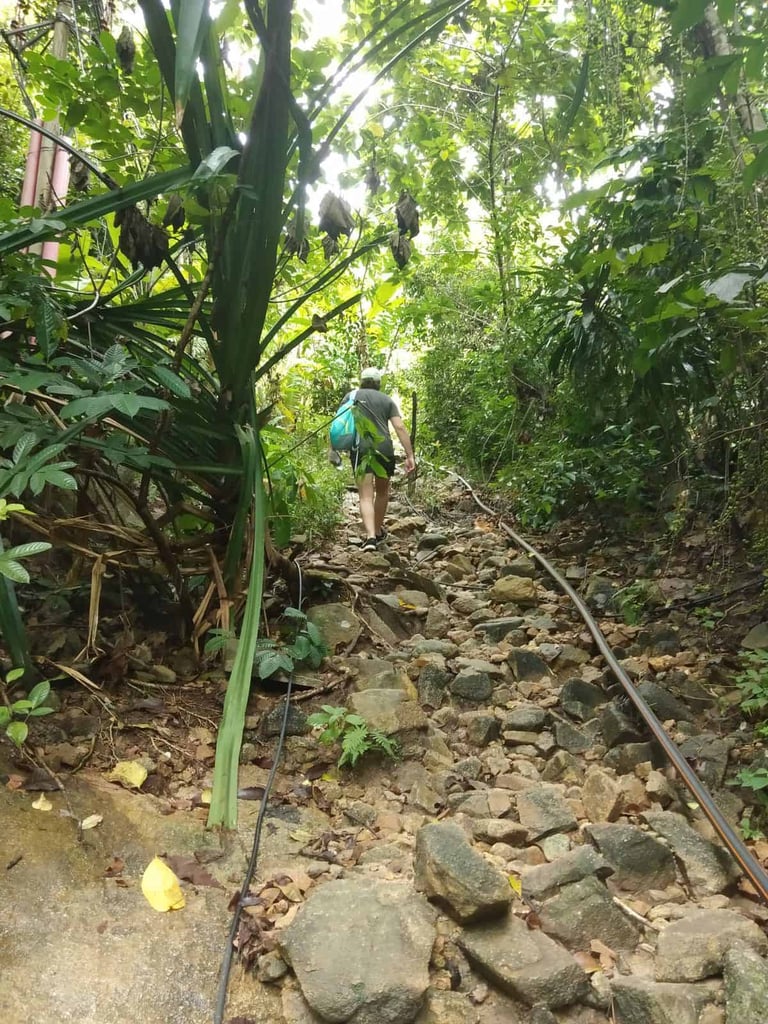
(733, 842)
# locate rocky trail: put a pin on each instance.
(527, 856)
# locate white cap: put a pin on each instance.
(372, 374)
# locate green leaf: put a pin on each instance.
(35, 547)
(38, 712)
(726, 9)
(191, 18)
(39, 693)
(5, 716)
(24, 445)
(214, 163)
(758, 168)
(728, 287)
(687, 14)
(18, 732)
(13, 570)
(172, 381)
(700, 89)
(13, 675)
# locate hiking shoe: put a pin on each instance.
(369, 544)
(381, 537)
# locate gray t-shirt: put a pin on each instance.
(379, 409)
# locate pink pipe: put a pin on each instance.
(59, 185)
(29, 187)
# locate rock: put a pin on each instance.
(601, 796)
(448, 1008)
(695, 946)
(541, 881)
(583, 911)
(519, 590)
(446, 648)
(339, 625)
(571, 739)
(528, 717)
(579, 698)
(572, 656)
(617, 727)
(563, 766)
(378, 674)
(456, 876)
(466, 604)
(708, 868)
(271, 967)
(525, 963)
(757, 638)
(472, 684)
(489, 803)
(544, 810)
(497, 629)
(351, 970)
(523, 565)
(639, 861)
(272, 721)
(482, 728)
(746, 987)
(627, 756)
(430, 541)
(600, 593)
(663, 704)
(639, 1001)
(438, 621)
(527, 664)
(711, 755)
(433, 685)
(388, 711)
(500, 830)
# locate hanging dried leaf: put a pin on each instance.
(175, 215)
(330, 246)
(79, 174)
(294, 246)
(401, 248)
(335, 216)
(372, 179)
(143, 243)
(407, 215)
(126, 50)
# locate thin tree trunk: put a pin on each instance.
(714, 41)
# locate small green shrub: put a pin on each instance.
(303, 643)
(337, 725)
(753, 683)
(13, 717)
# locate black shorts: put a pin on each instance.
(387, 462)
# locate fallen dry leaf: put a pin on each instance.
(288, 917)
(91, 821)
(161, 887)
(190, 870)
(605, 954)
(114, 868)
(130, 774)
(14, 782)
(586, 961)
(42, 803)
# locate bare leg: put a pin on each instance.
(381, 500)
(365, 493)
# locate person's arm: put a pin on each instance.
(405, 441)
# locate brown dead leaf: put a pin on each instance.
(114, 868)
(14, 782)
(291, 891)
(288, 917)
(189, 870)
(102, 926)
(586, 961)
(533, 920)
(250, 793)
(604, 953)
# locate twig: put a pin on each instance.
(635, 916)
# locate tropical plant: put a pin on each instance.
(351, 732)
(13, 716)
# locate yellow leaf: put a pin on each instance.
(43, 803)
(91, 821)
(515, 885)
(161, 887)
(376, 130)
(444, 154)
(205, 797)
(130, 774)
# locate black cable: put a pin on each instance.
(733, 842)
(226, 967)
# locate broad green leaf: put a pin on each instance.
(191, 18)
(36, 547)
(726, 9)
(13, 570)
(39, 692)
(214, 163)
(13, 675)
(17, 731)
(728, 287)
(25, 444)
(700, 89)
(172, 381)
(758, 168)
(687, 14)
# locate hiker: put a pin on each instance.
(372, 489)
